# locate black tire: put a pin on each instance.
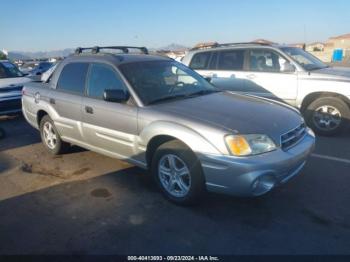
(334, 102)
(197, 185)
(60, 146)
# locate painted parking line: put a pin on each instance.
(332, 158)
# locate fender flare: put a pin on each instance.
(195, 141)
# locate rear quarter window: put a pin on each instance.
(72, 78)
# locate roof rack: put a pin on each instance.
(124, 49)
(213, 45)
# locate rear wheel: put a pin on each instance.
(328, 116)
(50, 137)
(178, 173)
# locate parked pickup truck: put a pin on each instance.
(11, 83)
(284, 73)
(160, 115)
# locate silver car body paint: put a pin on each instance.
(124, 131)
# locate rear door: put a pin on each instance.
(229, 73)
(225, 68)
(67, 100)
(267, 76)
(108, 126)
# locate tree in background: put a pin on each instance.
(3, 56)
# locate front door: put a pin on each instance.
(270, 76)
(108, 126)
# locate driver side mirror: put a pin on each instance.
(288, 68)
(115, 95)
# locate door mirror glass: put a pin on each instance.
(115, 95)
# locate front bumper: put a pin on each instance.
(10, 105)
(255, 175)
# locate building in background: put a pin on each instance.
(325, 51)
(298, 45)
(315, 47)
(339, 42)
(3, 54)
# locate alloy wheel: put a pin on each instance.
(174, 175)
(327, 117)
(49, 135)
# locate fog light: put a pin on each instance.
(263, 184)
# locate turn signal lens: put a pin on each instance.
(238, 145)
(252, 144)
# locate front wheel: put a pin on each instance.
(328, 116)
(178, 173)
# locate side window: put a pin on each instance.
(102, 77)
(72, 78)
(266, 61)
(200, 61)
(231, 60)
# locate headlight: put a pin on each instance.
(245, 145)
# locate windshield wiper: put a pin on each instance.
(203, 92)
(199, 93)
(166, 98)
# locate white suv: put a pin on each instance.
(288, 74)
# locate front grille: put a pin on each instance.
(293, 136)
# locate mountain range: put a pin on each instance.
(20, 55)
(14, 55)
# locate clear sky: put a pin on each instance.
(33, 25)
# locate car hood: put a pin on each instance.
(236, 113)
(335, 73)
(12, 87)
(13, 82)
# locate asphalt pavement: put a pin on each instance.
(84, 203)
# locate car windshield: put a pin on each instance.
(158, 81)
(9, 70)
(303, 58)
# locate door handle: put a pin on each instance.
(89, 110)
(52, 101)
(251, 76)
